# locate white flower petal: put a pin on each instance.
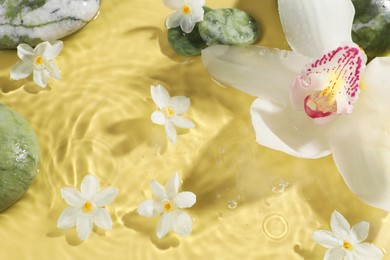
(149, 208)
(182, 223)
(102, 218)
(72, 197)
(173, 4)
(158, 190)
(170, 131)
(173, 20)
(158, 118)
(40, 77)
(53, 70)
(325, 238)
(160, 96)
(164, 225)
(172, 185)
(340, 225)
(359, 232)
(180, 104)
(334, 254)
(68, 218)
(83, 226)
(365, 251)
(105, 196)
(280, 128)
(197, 4)
(41, 48)
(197, 14)
(257, 71)
(185, 199)
(52, 50)
(186, 24)
(25, 52)
(313, 27)
(89, 186)
(21, 70)
(182, 122)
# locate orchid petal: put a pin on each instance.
(105, 196)
(257, 71)
(325, 238)
(68, 218)
(340, 225)
(149, 208)
(40, 77)
(280, 128)
(334, 254)
(172, 185)
(173, 20)
(158, 190)
(83, 226)
(25, 52)
(182, 122)
(365, 251)
(72, 197)
(185, 199)
(313, 27)
(186, 24)
(359, 232)
(180, 104)
(102, 218)
(182, 223)
(170, 131)
(21, 70)
(89, 186)
(164, 225)
(160, 96)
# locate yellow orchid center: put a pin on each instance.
(39, 60)
(186, 9)
(347, 246)
(88, 207)
(167, 206)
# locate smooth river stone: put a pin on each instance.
(34, 21)
(229, 26)
(371, 26)
(19, 156)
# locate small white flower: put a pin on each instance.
(346, 242)
(39, 61)
(170, 110)
(86, 207)
(188, 13)
(170, 203)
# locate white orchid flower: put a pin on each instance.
(169, 203)
(187, 14)
(170, 110)
(309, 102)
(39, 61)
(346, 243)
(86, 207)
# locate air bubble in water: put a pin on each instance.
(232, 204)
(279, 185)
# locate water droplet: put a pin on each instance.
(232, 204)
(238, 197)
(218, 196)
(275, 227)
(279, 185)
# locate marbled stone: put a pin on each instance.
(229, 27)
(34, 21)
(371, 26)
(19, 156)
(187, 44)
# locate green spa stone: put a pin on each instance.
(187, 44)
(229, 26)
(19, 156)
(34, 21)
(371, 26)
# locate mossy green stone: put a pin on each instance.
(187, 44)
(371, 26)
(19, 156)
(229, 26)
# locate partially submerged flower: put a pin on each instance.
(187, 14)
(39, 61)
(86, 207)
(346, 242)
(318, 99)
(170, 110)
(168, 202)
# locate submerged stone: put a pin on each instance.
(371, 26)
(187, 44)
(34, 21)
(229, 26)
(19, 156)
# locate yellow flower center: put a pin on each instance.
(332, 90)
(87, 207)
(39, 60)
(169, 111)
(167, 206)
(347, 245)
(186, 9)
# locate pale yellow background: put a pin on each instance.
(97, 120)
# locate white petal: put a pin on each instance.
(197, 4)
(334, 254)
(185, 199)
(197, 14)
(149, 208)
(186, 24)
(173, 20)
(21, 70)
(173, 4)
(68, 218)
(53, 70)
(325, 238)
(40, 77)
(257, 71)
(160, 96)
(25, 52)
(84, 227)
(359, 232)
(72, 197)
(170, 131)
(182, 122)
(41, 48)
(158, 117)
(164, 225)
(172, 185)
(105, 196)
(180, 104)
(158, 190)
(182, 223)
(313, 27)
(365, 251)
(89, 186)
(52, 50)
(280, 128)
(340, 225)
(102, 218)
